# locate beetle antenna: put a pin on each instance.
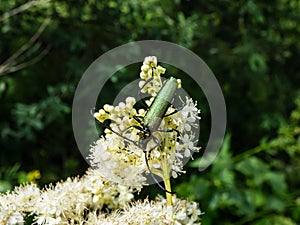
(154, 178)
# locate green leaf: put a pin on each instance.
(5, 186)
(257, 62)
(275, 220)
(253, 166)
(277, 182)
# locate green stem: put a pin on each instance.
(251, 152)
(166, 169)
(168, 187)
(165, 174)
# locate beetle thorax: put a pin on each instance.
(145, 133)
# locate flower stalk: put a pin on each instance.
(167, 184)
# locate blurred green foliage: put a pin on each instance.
(12, 176)
(255, 186)
(253, 48)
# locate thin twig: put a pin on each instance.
(30, 62)
(13, 63)
(21, 9)
(29, 43)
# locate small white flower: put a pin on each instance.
(152, 213)
(15, 219)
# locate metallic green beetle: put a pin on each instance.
(152, 120)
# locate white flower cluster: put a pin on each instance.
(119, 159)
(112, 156)
(152, 213)
(14, 205)
(65, 203)
(79, 201)
(120, 165)
(150, 70)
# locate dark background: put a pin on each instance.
(251, 46)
